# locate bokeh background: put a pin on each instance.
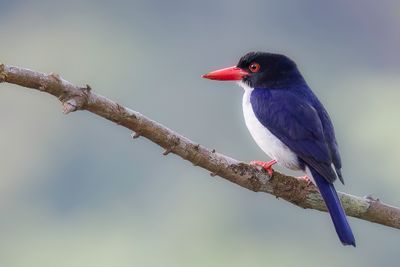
(76, 190)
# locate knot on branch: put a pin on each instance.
(77, 101)
(196, 159)
(70, 106)
(3, 74)
(173, 142)
(72, 97)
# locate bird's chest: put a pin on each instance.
(267, 141)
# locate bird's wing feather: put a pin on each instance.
(330, 138)
(294, 121)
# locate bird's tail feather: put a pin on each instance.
(335, 208)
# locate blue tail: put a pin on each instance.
(335, 209)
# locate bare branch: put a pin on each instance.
(289, 188)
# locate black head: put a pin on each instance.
(261, 70)
(267, 70)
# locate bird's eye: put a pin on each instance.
(254, 67)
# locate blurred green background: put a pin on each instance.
(76, 190)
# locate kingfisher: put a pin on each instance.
(290, 124)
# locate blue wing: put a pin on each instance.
(330, 138)
(292, 118)
(300, 121)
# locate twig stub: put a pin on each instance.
(70, 106)
(135, 135)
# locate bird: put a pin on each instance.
(291, 125)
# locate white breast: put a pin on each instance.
(268, 142)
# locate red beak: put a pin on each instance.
(227, 74)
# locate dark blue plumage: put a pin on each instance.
(293, 116)
(290, 124)
(335, 209)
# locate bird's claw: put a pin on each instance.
(265, 165)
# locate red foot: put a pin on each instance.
(266, 165)
(306, 178)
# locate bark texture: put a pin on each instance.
(282, 186)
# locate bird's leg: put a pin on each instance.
(306, 178)
(265, 165)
